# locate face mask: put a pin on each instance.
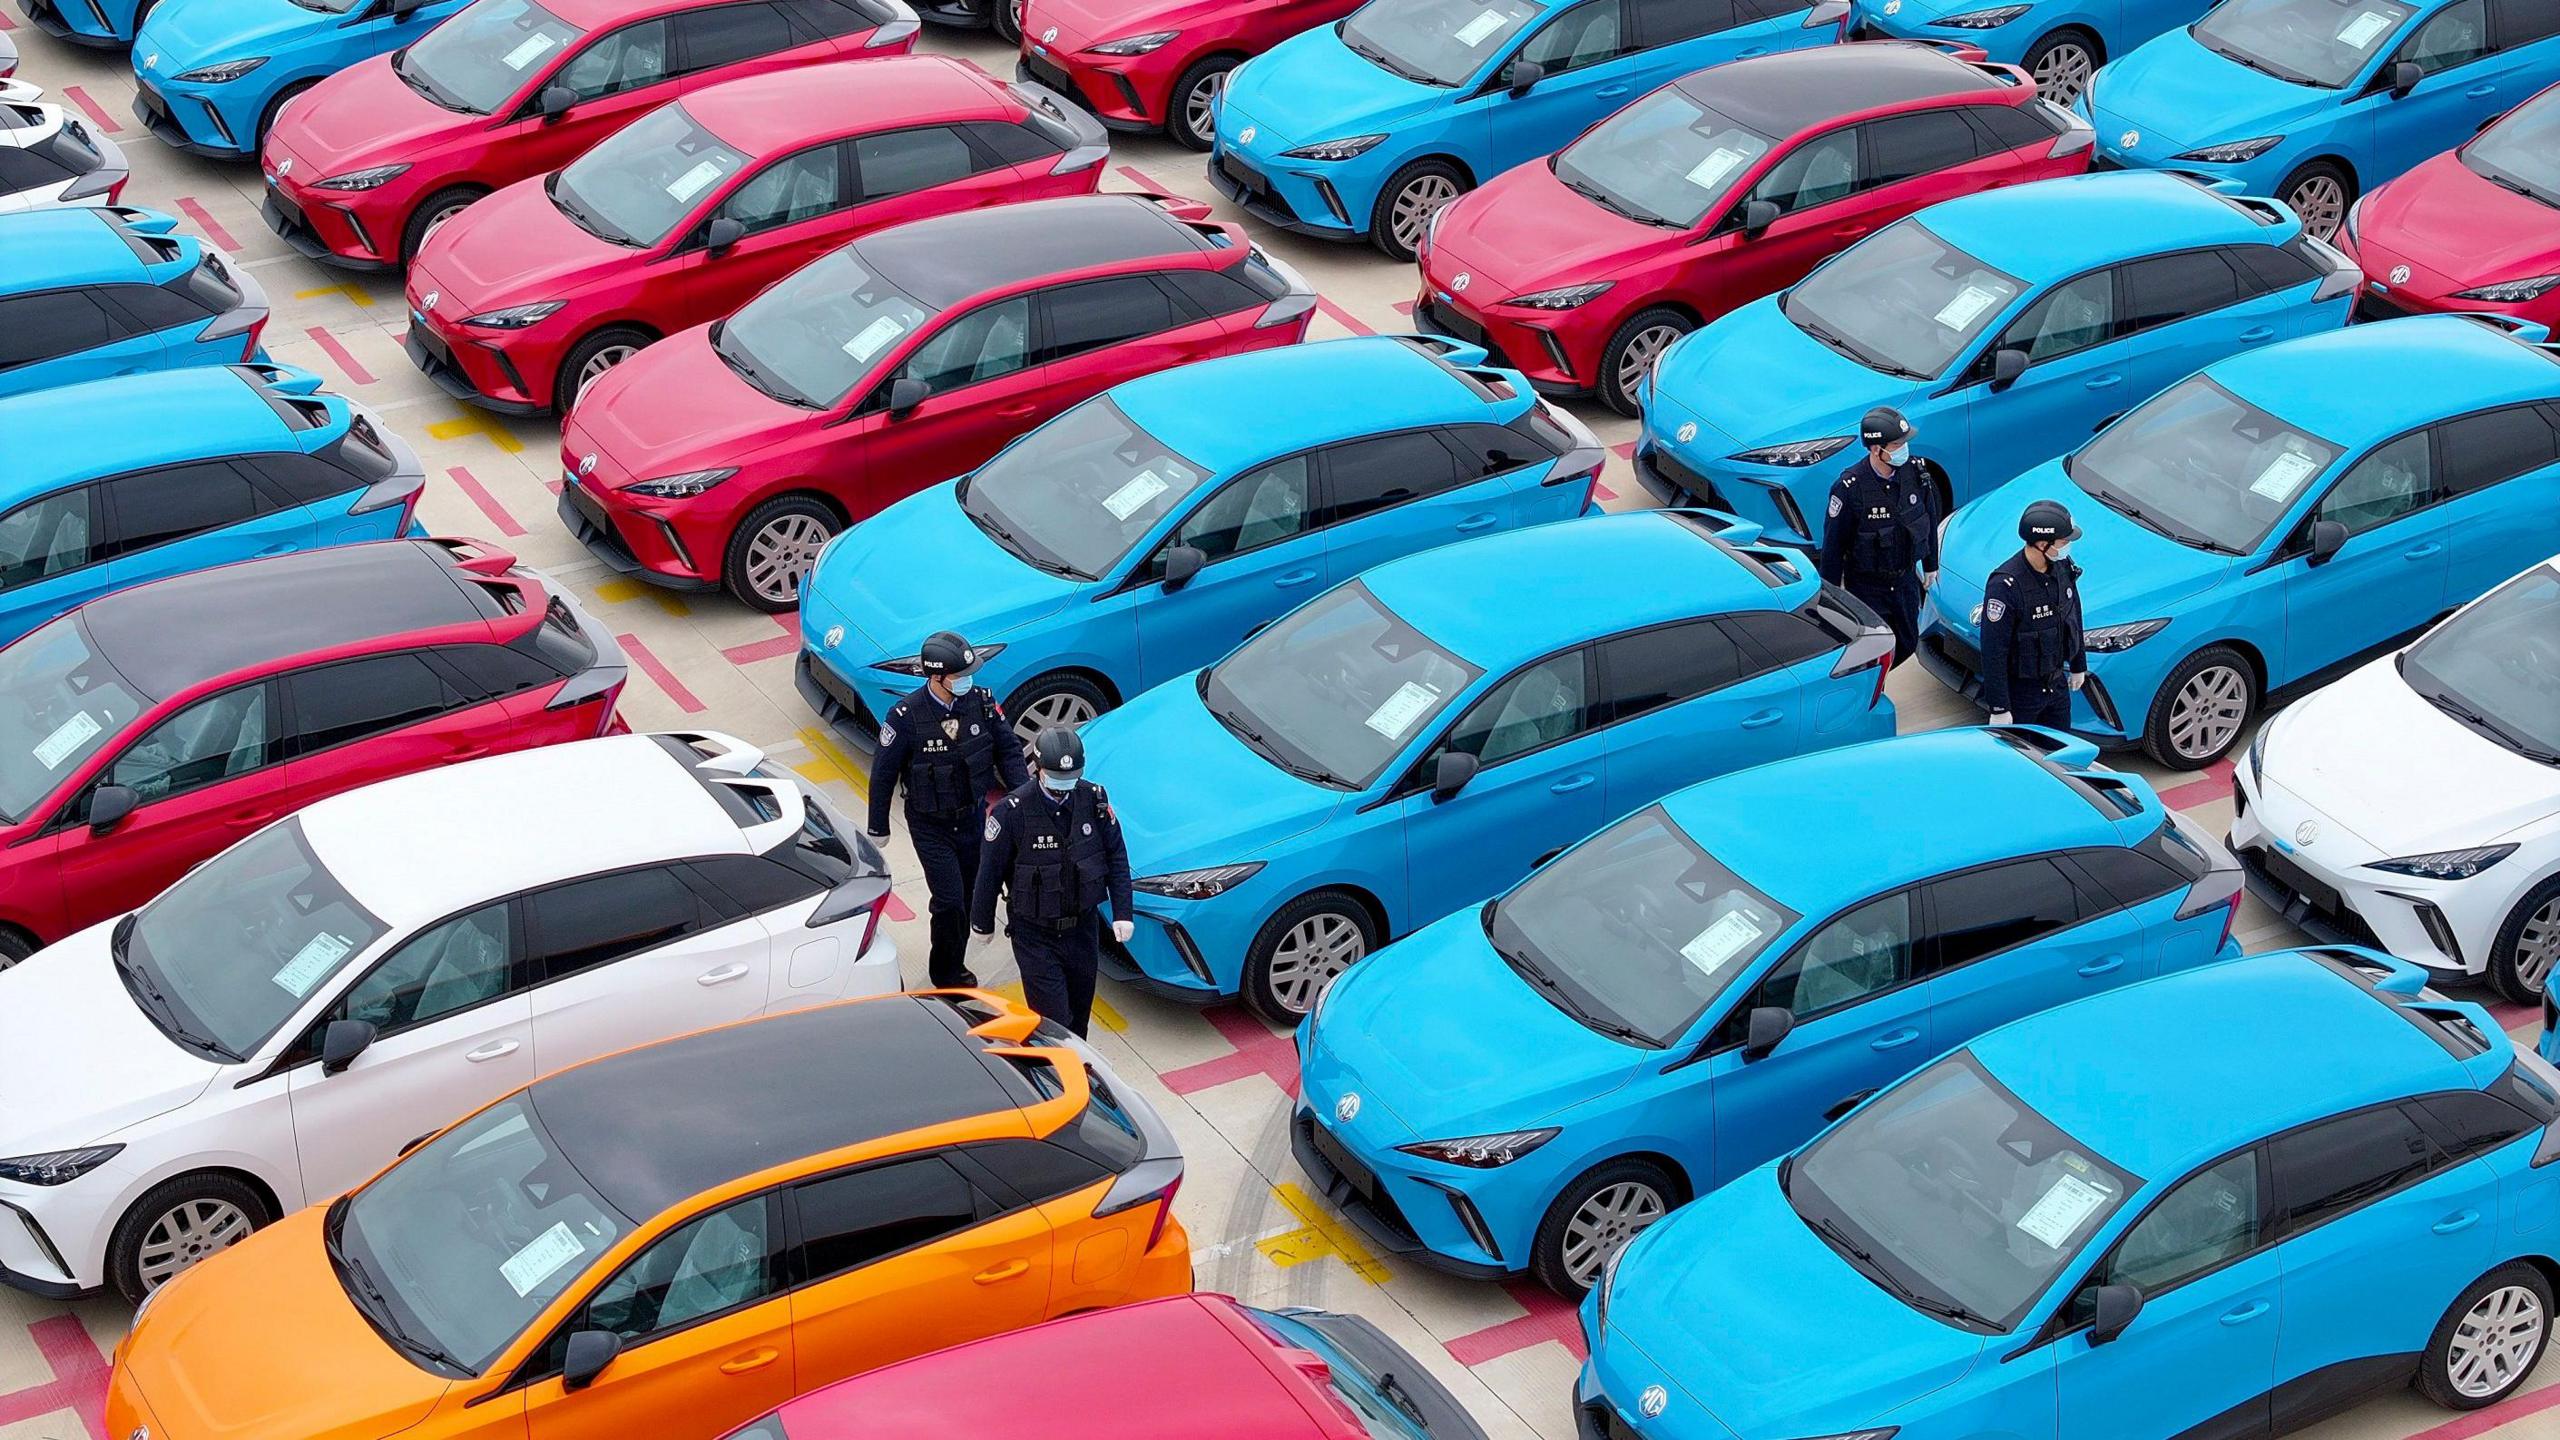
(1057, 784)
(1898, 455)
(2059, 552)
(961, 684)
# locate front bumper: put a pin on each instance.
(1547, 356)
(840, 702)
(606, 529)
(1159, 960)
(189, 120)
(1951, 652)
(1127, 93)
(31, 1255)
(1371, 1203)
(326, 230)
(1332, 206)
(470, 371)
(2324, 885)
(56, 18)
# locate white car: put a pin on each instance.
(51, 157)
(2415, 803)
(8, 56)
(273, 1028)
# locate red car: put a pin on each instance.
(1178, 1369)
(366, 162)
(728, 454)
(2477, 228)
(1157, 64)
(1720, 188)
(152, 727)
(531, 294)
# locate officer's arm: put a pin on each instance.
(1009, 766)
(1836, 523)
(1929, 518)
(1995, 646)
(887, 764)
(1124, 904)
(2079, 637)
(995, 862)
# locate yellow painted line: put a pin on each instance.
(617, 592)
(1103, 1015)
(832, 762)
(475, 422)
(1318, 1235)
(355, 294)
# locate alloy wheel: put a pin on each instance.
(598, 363)
(2063, 72)
(1642, 351)
(2538, 945)
(1607, 1221)
(1314, 951)
(2209, 710)
(1200, 106)
(1416, 204)
(2494, 1341)
(781, 555)
(2321, 201)
(187, 1234)
(1062, 708)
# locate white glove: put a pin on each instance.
(2079, 678)
(1929, 579)
(981, 939)
(879, 835)
(1121, 930)
(1999, 717)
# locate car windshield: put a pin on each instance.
(1072, 496)
(637, 186)
(60, 703)
(227, 954)
(2496, 666)
(1381, 1405)
(327, 7)
(2522, 151)
(1902, 301)
(2202, 466)
(1949, 1192)
(1332, 693)
(1665, 160)
(813, 337)
(1635, 931)
(1434, 42)
(2323, 43)
(452, 1252)
(484, 54)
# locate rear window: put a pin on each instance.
(1257, 274)
(210, 285)
(362, 453)
(559, 641)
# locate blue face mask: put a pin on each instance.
(1057, 784)
(1898, 455)
(961, 684)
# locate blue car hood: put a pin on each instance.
(200, 32)
(1437, 1029)
(2126, 571)
(1187, 792)
(1310, 88)
(1727, 1298)
(1760, 380)
(921, 566)
(2176, 92)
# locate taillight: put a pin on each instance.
(609, 706)
(1164, 1212)
(249, 353)
(1883, 668)
(2230, 918)
(870, 928)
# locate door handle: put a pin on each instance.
(280, 548)
(755, 1359)
(2481, 92)
(1754, 50)
(1478, 522)
(1571, 783)
(2245, 1313)
(1850, 232)
(1763, 719)
(1001, 1273)
(2101, 382)
(2103, 964)
(1614, 91)
(2456, 1223)
(492, 1051)
(1894, 1039)
(1291, 579)
(2256, 333)
(2422, 552)
(721, 976)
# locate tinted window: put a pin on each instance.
(1666, 22)
(27, 170)
(605, 917)
(906, 160)
(829, 17)
(702, 1268)
(158, 506)
(1103, 312)
(1260, 508)
(1817, 172)
(1584, 35)
(2456, 35)
(1905, 147)
(1492, 449)
(1037, 1171)
(2127, 877)
(756, 883)
(2268, 267)
(299, 479)
(2521, 22)
(339, 703)
(1373, 474)
(456, 965)
(2009, 127)
(802, 187)
(988, 342)
(2478, 451)
(1666, 665)
(489, 671)
(39, 327)
(2332, 1167)
(2211, 1218)
(47, 536)
(2072, 317)
(148, 307)
(728, 34)
(627, 59)
(1011, 144)
(2383, 486)
(1989, 910)
(212, 740)
(2168, 288)
(1213, 292)
(2470, 1122)
(1539, 706)
(1865, 952)
(1778, 638)
(850, 1220)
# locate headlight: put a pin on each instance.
(2446, 864)
(516, 317)
(679, 487)
(914, 665)
(1482, 1152)
(57, 1167)
(1608, 1282)
(373, 179)
(1352, 148)
(2258, 747)
(1991, 19)
(1204, 884)
(1797, 452)
(1146, 44)
(2235, 152)
(2108, 639)
(228, 70)
(2347, 227)
(2510, 290)
(1431, 227)
(1568, 298)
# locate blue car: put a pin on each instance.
(1416, 739)
(1366, 128)
(2007, 325)
(2275, 519)
(1153, 528)
(92, 293)
(2316, 101)
(2228, 1202)
(1697, 988)
(2060, 42)
(211, 75)
(238, 462)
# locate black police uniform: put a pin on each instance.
(1878, 534)
(2031, 641)
(951, 758)
(1058, 857)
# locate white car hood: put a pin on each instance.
(78, 1059)
(2408, 779)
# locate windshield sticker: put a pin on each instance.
(542, 1258)
(1714, 947)
(534, 48)
(1398, 714)
(690, 183)
(2284, 475)
(1967, 307)
(1473, 32)
(2361, 31)
(70, 735)
(1722, 161)
(1128, 499)
(877, 336)
(318, 956)
(2051, 1219)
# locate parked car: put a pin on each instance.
(666, 1237)
(2475, 229)
(727, 455)
(94, 293)
(151, 728)
(2273, 519)
(1159, 65)
(2293, 1217)
(8, 56)
(49, 157)
(2415, 804)
(1186, 512)
(210, 76)
(2059, 42)
(1716, 190)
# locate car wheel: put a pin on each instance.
(15, 945)
(1060, 697)
(2202, 709)
(2320, 193)
(773, 549)
(1006, 16)
(275, 108)
(2489, 1339)
(432, 212)
(592, 357)
(2528, 945)
(1300, 950)
(1195, 95)
(2062, 63)
(1406, 204)
(176, 1225)
(141, 13)
(1633, 350)
(1596, 1215)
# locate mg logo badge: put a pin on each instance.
(587, 464)
(2306, 832)
(284, 169)
(1653, 1402)
(151, 59)
(2399, 274)
(1347, 1109)
(833, 638)
(428, 300)
(1977, 615)
(1049, 36)
(1893, 7)
(1462, 281)
(1687, 432)
(2129, 139)
(1247, 137)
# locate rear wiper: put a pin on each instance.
(1397, 1396)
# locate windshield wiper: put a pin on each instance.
(765, 384)
(2156, 525)
(155, 1006)
(1838, 1238)
(380, 1308)
(1872, 362)
(1261, 745)
(2491, 728)
(1593, 194)
(1556, 996)
(1392, 1388)
(427, 89)
(2508, 182)
(1015, 548)
(1380, 59)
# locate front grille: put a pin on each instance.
(1049, 73)
(1954, 651)
(1700, 489)
(1253, 181)
(1350, 1174)
(1451, 323)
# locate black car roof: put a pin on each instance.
(949, 258)
(1780, 95)
(653, 1127)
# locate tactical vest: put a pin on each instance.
(951, 764)
(1878, 547)
(1061, 864)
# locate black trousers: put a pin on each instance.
(1059, 968)
(2035, 705)
(1898, 601)
(948, 850)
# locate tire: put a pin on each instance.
(275, 107)
(1625, 1196)
(220, 1210)
(1432, 183)
(1300, 950)
(1636, 346)
(790, 532)
(1186, 115)
(141, 13)
(1059, 697)
(2062, 63)
(1005, 16)
(15, 945)
(2503, 1324)
(2528, 945)
(2188, 731)
(431, 212)
(610, 346)
(2321, 185)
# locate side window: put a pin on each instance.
(39, 327)
(1384, 470)
(49, 535)
(210, 741)
(1780, 638)
(1905, 147)
(1103, 312)
(2521, 22)
(2071, 317)
(1010, 144)
(491, 671)
(452, 967)
(1256, 509)
(2009, 127)
(1986, 911)
(338, 703)
(903, 161)
(830, 18)
(1865, 952)
(2210, 1219)
(756, 883)
(2478, 451)
(297, 478)
(1816, 172)
(702, 1268)
(1584, 35)
(158, 506)
(991, 341)
(2456, 35)
(1539, 706)
(1037, 1171)
(2328, 1169)
(27, 170)
(2474, 1122)
(2169, 288)
(603, 918)
(1492, 449)
(1647, 670)
(627, 59)
(2268, 268)
(2126, 877)
(801, 187)
(1213, 292)
(729, 34)
(1668, 22)
(2383, 486)
(851, 1220)
(148, 307)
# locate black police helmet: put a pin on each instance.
(2046, 520)
(947, 654)
(1884, 425)
(1059, 751)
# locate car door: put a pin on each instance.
(2390, 575)
(1814, 187)
(202, 779)
(52, 558)
(1688, 700)
(452, 1031)
(719, 43)
(2462, 85)
(62, 337)
(2010, 939)
(790, 212)
(1097, 333)
(1261, 556)
(1587, 51)
(1390, 495)
(1916, 159)
(1540, 786)
(2499, 471)
(1520, 478)
(193, 517)
(637, 955)
(2074, 378)
(613, 78)
(929, 170)
(982, 391)
(2179, 312)
(357, 721)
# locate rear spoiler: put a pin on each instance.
(1456, 353)
(2524, 330)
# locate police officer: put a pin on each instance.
(951, 746)
(1880, 531)
(2032, 655)
(1055, 848)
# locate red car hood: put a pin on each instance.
(506, 247)
(1525, 231)
(2447, 219)
(1084, 22)
(672, 404)
(363, 115)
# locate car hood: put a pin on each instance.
(179, 38)
(1309, 88)
(364, 115)
(1525, 231)
(510, 248)
(893, 579)
(1223, 804)
(2126, 572)
(673, 407)
(2175, 91)
(1726, 1298)
(1753, 375)
(1439, 1031)
(2372, 754)
(1084, 22)
(79, 1060)
(2450, 220)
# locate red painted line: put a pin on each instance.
(754, 650)
(665, 678)
(1550, 1317)
(1145, 181)
(487, 502)
(1602, 492)
(205, 222)
(895, 908)
(1403, 308)
(89, 107)
(1343, 317)
(79, 1382)
(2505, 1412)
(6, 23)
(1257, 1052)
(339, 357)
(2213, 784)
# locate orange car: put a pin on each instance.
(672, 1240)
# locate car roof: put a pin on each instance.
(949, 258)
(785, 110)
(69, 433)
(653, 1127)
(2049, 229)
(1762, 822)
(2213, 1072)
(1503, 599)
(2372, 381)
(1780, 95)
(31, 121)
(1240, 409)
(50, 248)
(169, 635)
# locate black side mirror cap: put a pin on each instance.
(1757, 217)
(1180, 564)
(905, 394)
(108, 805)
(2007, 364)
(1452, 773)
(2328, 537)
(554, 101)
(1525, 75)
(1764, 1028)
(2116, 1307)
(589, 1352)
(2405, 77)
(723, 233)
(341, 1041)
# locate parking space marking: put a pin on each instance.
(1549, 1317)
(470, 485)
(755, 650)
(1342, 317)
(474, 422)
(339, 356)
(1318, 1235)
(353, 293)
(833, 761)
(79, 1382)
(623, 592)
(189, 207)
(2505, 1412)
(2212, 783)
(1258, 1052)
(91, 108)
(659, 675)
(1103, 1014)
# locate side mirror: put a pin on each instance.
(2328, 537)
(2117, 1305)
(2404, 78)
(1757, 217)
(1455, 769)
(403, 9)
(341, 1042)
(723, 233)
(1525, 75)
(1764, 1028)
(1180, 564)
(108, 805)
(905, 394)
(589, 1352)
(2492, 120)
(2007, 365)
(554, 101)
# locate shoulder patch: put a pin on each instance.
(995, 827)
(1835, 504)
(888, 734)
(1994, 609)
